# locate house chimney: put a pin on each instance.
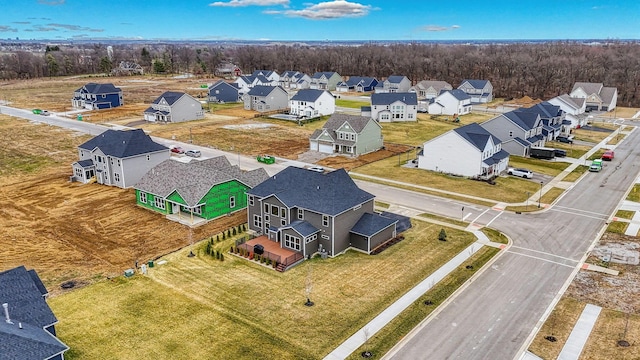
(6, 313)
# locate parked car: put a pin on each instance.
(595, 167)
(45, 113)
(523, 173)
(317, 169)
(177, 150)
(560, 152)
(608, 155)
(565, 139)
(193, 153)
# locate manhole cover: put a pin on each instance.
(551, 338)
(623, 343)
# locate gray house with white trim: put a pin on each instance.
(311, 212)
(174, 106)
(118, 158)
(518, 130)
(262, 98)
(347, 134)
(325, 80)
(394, 84)
(481, 91)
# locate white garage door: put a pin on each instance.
(326, 148)
(313, 145)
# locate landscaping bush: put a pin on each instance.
(443, 235)
(234, 231)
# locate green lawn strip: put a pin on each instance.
(625, 214)
(590, 135)
(559, 324)
(495, 235)
(634, 194)
(424, 129)
(576, 173)
(551, 168)
(213, 107)
(551, 195)
(596, 155)
(444, 219)
(382, 205)
(380, 343)
(617, 227)
(354, 104)
(253, 302)
(506, 189)
(548, 198)
(573, 150)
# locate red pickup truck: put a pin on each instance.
(608, 155)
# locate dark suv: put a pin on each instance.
(565, 139)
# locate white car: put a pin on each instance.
(317, 169)
(523, 173)
(193, 153)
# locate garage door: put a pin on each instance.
(326, 148)
(313, 145)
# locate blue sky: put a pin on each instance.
(320, 20)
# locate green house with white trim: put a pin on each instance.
(195, 192)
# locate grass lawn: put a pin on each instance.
(354, 104)
(445, 219)
(551, 168)
(382, 205)
(213, 107)
(573, 150)
(625, 214)
(617, 227)
(597, 154)
(201, 301)
(590, 135)
(495, 235)
(576, 173)
(507, 189)
(551, 195)
(634, 194)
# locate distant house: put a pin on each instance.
(266, 98)
(197, 190)
(429, 89)
(481, 91)
(552, 118)
(258, 78)
(325, 80)
(244, 83)
(118, 158)
(357, 84)
(311, 103)
(228, 70)
(223, 92)
(347, 134)
(27, 331)
(394, 84)
(450, 102)
(518, 130)
(173, 106)
(392, 107)
(574, 109)
(294, 80)
(469, 150)
(597, 96)
(94, 96)
(127, 68)
(311, 212)
(272, 77)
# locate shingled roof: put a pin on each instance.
(308, 95)
(95, 88)
(123, 143)
(409, 98)
(476, 135)
(169, 96)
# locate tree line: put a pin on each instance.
(541, 70)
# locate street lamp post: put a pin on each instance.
(540, 198)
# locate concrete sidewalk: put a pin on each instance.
(580, 333)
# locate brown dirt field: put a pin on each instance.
(349, 163)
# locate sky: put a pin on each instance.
(317, 20)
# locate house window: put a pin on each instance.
(311, 238)
(232, 202)
(266, 208)
(251, 200)
(117, 177)
(257, 221)
(266, 217)
(274, 210)
(159, 202)
(300, 214)
(326, 237)
(118, 162)
(353, 137)
(283, 222)
(283, 212)
(325, 220)
(148, 157)
(143, 197)
(292, 242)
(510, 133)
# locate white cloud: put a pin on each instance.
(243, 3)
(51, 2)
(327, 10)
(436, 28)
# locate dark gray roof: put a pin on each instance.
(325, 193)
(326, 74)
(123, 143)
(544, 109)
(457, 93)
(263, 90)
(94, 88)
(302, 227)
(521, 141)
(476, 84)
(359, 80)
(308, 95)
(193, 180)
(588, 87)
(476, 135)
(28, 343)
(371, 224)
(409, 98)
(170, 97)
(151, 110)
(85, 163)
(265, 73)
(356, 122)
(223, 88)
(525, 120)
(365, 108)
(395, 79)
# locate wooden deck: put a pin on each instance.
(272, 250)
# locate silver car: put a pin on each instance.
(193, 153)
(523, 173)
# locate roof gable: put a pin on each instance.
(308, 95)
(95, 88)
(264, 90)
(357, 123)
(409, 98)
(476, 84)
(123, 143)
(477, 135)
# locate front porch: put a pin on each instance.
(188, 219)
(285, 258)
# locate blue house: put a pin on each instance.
(97, 96)
(357, 83)
(223, 92)
(28, 330)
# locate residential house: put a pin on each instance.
(469, 151)
(326, 80)
(357, 84)
(272, 77)
(429, 89)
(394, 84)
(597, 96)
(118, 158)
(223, 92)
(311, 103)
(481, 91)
(174, 106)
(197, 191)
(311, 212)
(574, 109)
(518, 130)
(247, 82)
(294, 80)
(347, 134)
(392, 107)
(228, 70)
(94, 96)
(450, 102)
(27, 331)
(127, 68)
(552, 118)
(266, 98)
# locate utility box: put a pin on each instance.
(129, 272)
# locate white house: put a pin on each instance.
(391, 107)
(468, 151)
(481, 91)
(575, 111)
(294, 80)
(450, 102)
(310, 103)
(596, 95)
